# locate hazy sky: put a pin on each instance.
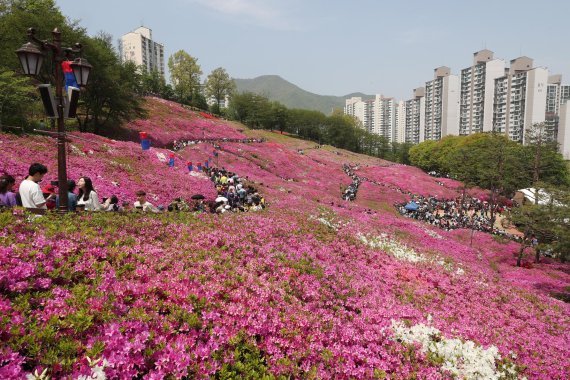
(333, 47)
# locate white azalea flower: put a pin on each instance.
(463, 359)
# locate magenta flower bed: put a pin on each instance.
(308, 288)
(168, 121)
(115, 167)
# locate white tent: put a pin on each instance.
(543, 197)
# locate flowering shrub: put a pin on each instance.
(462, 359)
(308, 288)
(115, 167)
(169, 121)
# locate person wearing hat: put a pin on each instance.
(49, 194)
(30, 191)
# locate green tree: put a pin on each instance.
(544, 162)
(112, 94)
(546, 221)
(16, 98)
(421, 155)
(499, 167)
(16, 16)
(251, 109)
(152, 83)
(306, 123)
(219, 85)
(198, 100)
(185, 73)
(278, 117)
(340, 131)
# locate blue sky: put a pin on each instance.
(333, 47)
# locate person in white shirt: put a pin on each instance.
(30, 192)
(141, 203)
(87, 196)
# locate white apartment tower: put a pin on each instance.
(520, 98)
(556, 95)
(361, 110)
(400, 122)
(564, 130)
(477, 92)
(441, 105)
(138, 46)
(384, 117)
(377, 115)
(415, 117)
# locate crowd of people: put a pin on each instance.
(451, 214)
(349, 194)
(180, 144)
(447, 214)
(233, 195)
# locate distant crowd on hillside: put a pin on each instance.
(450, 214)
(234, 194)
(446, 214)
(349, 194)
(180, 144)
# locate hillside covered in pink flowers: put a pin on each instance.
(311, 287)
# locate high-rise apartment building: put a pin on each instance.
(477, 92)
(564, 130)
(377, 115)
(400, 122)
(441, 105)
(138, 46)
(556, 95)
(384, 117)
(415, 117)
(520, 98)
(360, 110)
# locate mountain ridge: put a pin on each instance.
(275, 88)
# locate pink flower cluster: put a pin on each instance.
(168, 295)
(115, 167)
(170, 121)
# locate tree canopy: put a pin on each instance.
(219, 85)
(185, 75)
(492, 161)
(339, 130)
(112, 92)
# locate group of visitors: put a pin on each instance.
(39, 199)
(234, 194)
(349, 194)
(447, 214)
(180, 144)
(455, 213)
(451, 214)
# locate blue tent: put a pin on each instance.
(412, 206)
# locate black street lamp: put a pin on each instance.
(31, 58)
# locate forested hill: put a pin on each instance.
(278, 89)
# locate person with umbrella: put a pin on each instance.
(412, 206)
(199, 202)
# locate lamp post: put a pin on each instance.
(31, 58)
